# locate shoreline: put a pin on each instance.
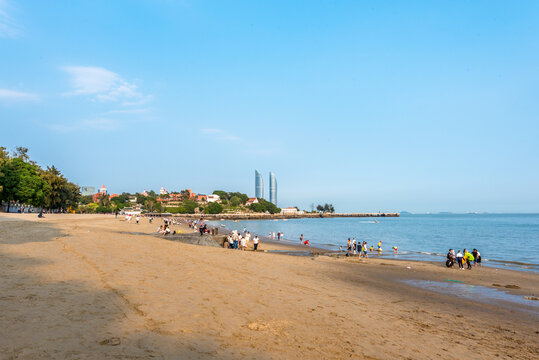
(388, 254)
(101, 287)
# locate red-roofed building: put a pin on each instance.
(202, 198)
(251, 201)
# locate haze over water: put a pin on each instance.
(504, 240)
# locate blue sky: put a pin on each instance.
(369, 105)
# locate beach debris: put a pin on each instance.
(457, 281)
(531, 297)
(113, 341)
(408, 267)
(507, 286)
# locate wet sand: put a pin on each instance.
(96, 287)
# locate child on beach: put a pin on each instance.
(255, 242)
(478, 258)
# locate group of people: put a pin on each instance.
(198, 225)
(238, 241)
(129, 217)
(362, 249)
(471, 259)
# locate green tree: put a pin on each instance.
(235, 201)
(86, 199)
(71, 195)
(56, 183)
(258, 207)
(184, 194)
(20, 182)
(213, 208)
(223, 195)
(241, 196)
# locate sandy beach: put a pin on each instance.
(96, 287)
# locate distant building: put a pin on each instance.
(259, 185)
(251, 201)
(272, 188)
(144, 193)
(202, 198)
(102, 192)
(213, 198)
(162, 191)
(87, 190)
(291, 211)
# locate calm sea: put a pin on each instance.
(504, 240)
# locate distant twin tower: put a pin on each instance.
(259, 187)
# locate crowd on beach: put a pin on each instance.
(471, 259)
(241, 241)
(362, 249)
(237, 241)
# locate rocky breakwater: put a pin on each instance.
(197, 239)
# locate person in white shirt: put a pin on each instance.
(243, 242)
(255, 242)
(459, 260)
(137, 219)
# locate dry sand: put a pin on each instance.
(96, 287)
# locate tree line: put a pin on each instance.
(24, 182)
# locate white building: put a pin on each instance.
(251, 201)
(212, 198)
(291, 211)
(103, 190)
(162, 191)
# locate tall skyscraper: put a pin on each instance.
(259, 185)
(272, 188)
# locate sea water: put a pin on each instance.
(504, 240)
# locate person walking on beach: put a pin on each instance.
(459, 260)
(243, 240)
(247, 239)
(349, 247)
(255, 242)
(301, 239)
(137, 219)
(279, 236)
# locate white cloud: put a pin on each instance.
(8, 26)
(12, 95)
(104, 85)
